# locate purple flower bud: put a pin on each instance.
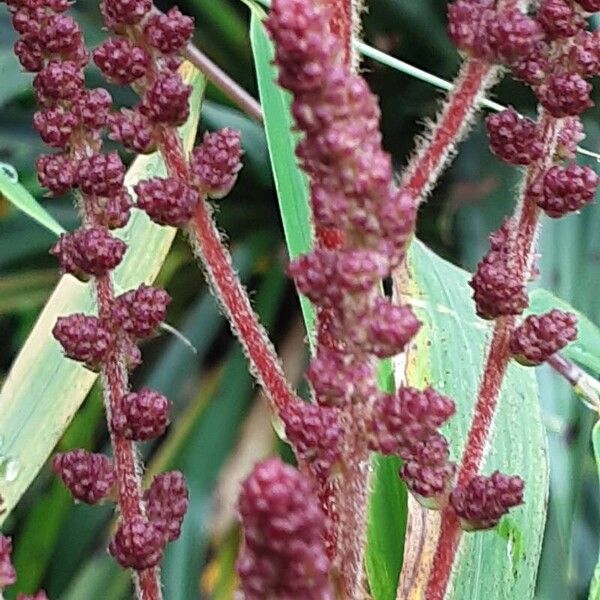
(565, 189)
(216, 162)
(61, 35)
(167, 100)
(514, 139)
(137, 544)
(141, 416)
(134, 130)
(121, 61)
(540, 336)
(112, 211)
(166, 503)
(315, 432)
(390, 328)
(140, 311)
(101, 174)
(284, 531)
(59, 80)
(89, 477)
(559, 18)
(168, 201)
(565, 94)
(485, 500)
(30, 53)
(8, 575)
(170, 32)
(91, 251)
(55, 125)
(92, 108)
(124, 12)
(84, 338)
(56, 172)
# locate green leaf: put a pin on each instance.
(15, 193)
(290, 182)
(387, 528)
(448, 354)
(595, 585)
(43, 389)
(585, 350)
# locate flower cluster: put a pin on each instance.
(553, 53)
(352, 194)
(73, 120)
(284, 549)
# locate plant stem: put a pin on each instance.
(463, 101)
(222, 81)
(227, 287)
(129, 490)
(522, 239)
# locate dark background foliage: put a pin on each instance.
(221, 424)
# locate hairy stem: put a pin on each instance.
(522, 238)
(439, 146)
(129, 487)
(227, 287)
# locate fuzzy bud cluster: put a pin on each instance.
(88, 251)
(167, 502)
(540, 336)
(563, 190)
(481, 503)
(487, 32)
(284, 549)
(216, 162)
(89, 477)
(315, 433)
(514, 139)
(137, 544)
(406, 423)
(141, 416)
(497, 288)
(167, 201)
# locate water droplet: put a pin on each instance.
(12, 469)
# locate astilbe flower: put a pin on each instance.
(283, 555)
(540, 336)
(482, 502)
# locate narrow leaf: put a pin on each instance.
(17, 195)
(291, 183)
(595, 585)
(43, 390)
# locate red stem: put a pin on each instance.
(426, 166)
(228, 288)
(129, 493)
(523, 238)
